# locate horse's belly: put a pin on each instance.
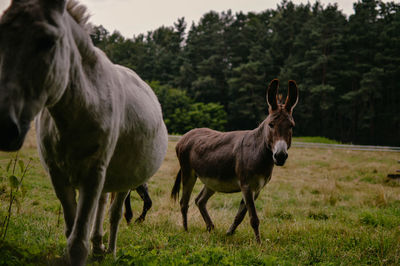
(221, 185)
(132, 165)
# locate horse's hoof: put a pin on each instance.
(99, 251)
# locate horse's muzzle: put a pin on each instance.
(11, 137)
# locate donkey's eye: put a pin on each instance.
(271, 125)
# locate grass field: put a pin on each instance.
(329, 207)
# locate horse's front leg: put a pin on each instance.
(67, 196)
(248, 197)
(115, 217)
(98, 232)
(90, 188)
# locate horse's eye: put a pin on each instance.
(271, 125)
(45, 43)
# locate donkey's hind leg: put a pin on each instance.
(239, 216)
(201, 202)
(128, 208)
(115, 217)
(188, 181)
(98, 232)
(147, 203)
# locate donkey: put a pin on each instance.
(99, 126)
(235, 161)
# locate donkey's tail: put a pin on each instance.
(177, 186)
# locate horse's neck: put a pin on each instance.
(81, 93)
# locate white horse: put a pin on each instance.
(99, 126)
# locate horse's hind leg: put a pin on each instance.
(147, 203)
(115, 217)
(188, 181)
(239, 216)
(97, 233)
(201, 202)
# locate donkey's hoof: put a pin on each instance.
(139, 220)
(210, 227)
(230, 232)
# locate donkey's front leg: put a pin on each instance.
(239, 216)
(248, 197)
(115, 217)
(90, 190)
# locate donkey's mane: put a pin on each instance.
(79, 13)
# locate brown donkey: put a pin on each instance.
(236, 161)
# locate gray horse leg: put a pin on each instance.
(188, 181)
(147, 203)
(115, 217)
(248, 197)
(239, 216)
(67, 196)
(98, 232)
(89, 194)
(201, 202)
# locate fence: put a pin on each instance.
(329, 146)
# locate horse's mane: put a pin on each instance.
(79, 13)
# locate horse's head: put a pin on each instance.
(279, 123)
(34, 65)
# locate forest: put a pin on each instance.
(214, 73)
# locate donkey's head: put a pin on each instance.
(279, 123)
(34, 65)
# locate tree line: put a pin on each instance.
(215, 72)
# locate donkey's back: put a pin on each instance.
(209, 153)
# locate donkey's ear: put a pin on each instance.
(58, 5)
(292, 97)
(271, 94)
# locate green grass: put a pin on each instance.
(328, 207)
(316, 140)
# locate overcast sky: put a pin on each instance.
(132, 17)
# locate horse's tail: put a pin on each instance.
(177, 186)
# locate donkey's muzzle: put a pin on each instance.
(280, 158)
(11, 138)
